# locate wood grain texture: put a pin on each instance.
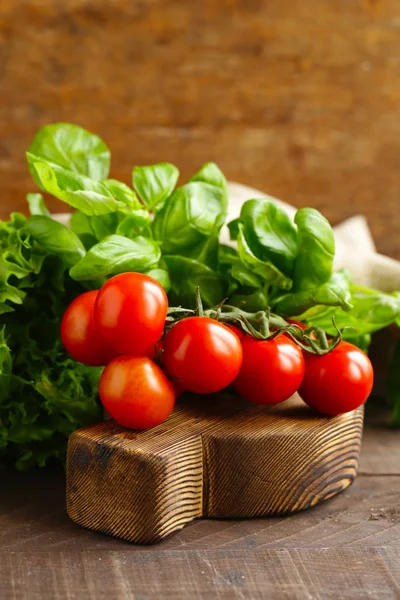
(298, 99)
(215, 456)
(344, 549)
(34, 519)
(294, 574)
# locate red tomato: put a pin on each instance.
(178, 387)
(236, 330)
(79, 333)
(135, 392)
(203, 354)
(130, 313)
(272, 370)
(158, 355)
(337, 382)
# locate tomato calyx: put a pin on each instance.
(261, 325)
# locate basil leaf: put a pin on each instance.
(244, 276)
(232, 267)
(372, 310)
(191, 213)
(233, 227)
(270, 233)
(227, 255)
(37, 205)
(186, 274)
(206, 252)
(212, 174)
(155, 183)
(316, 249)
(81, 225)
(123, 193)
(104, 225)
(336, 292)
(136, 223)
(56, 238)
(72, 148)
(90, 196)
(162, 276)
(263, 268)
(252, 302)
(116, 254)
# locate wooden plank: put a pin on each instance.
(347, 548)
(298, 99)
(380, 450)
(298, 574)
(222, 458)
(366, 515)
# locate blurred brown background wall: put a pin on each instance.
(298, 98)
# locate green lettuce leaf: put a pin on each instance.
(44, 394)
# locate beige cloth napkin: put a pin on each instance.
(355, 248)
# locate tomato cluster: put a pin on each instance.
(122, 326)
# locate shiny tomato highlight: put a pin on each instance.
(130, 313)
(135, 392)
(337, 382)
(203, 354)
(272, 370)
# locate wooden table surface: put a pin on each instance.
(345, 549)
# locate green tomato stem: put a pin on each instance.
(262, 325)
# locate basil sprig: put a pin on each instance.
(154, 226)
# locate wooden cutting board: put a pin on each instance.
(216, 456)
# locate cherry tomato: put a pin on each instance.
(135, 392)
(178, 387)
(272, 370)
(130, 313)
(203, 354)
(80, 335)
(158, 354)
(337, 382)
(236, 330)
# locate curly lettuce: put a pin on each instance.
(44, 394)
